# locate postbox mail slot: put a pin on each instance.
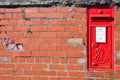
(101, 17)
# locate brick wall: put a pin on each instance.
(49, 43)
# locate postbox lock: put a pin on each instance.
(94, 64)
(100, 11)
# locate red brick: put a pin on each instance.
(47, 48)
(117, 28)
(14, 72)
(20, 22)
(95, 74)
(54, 15)
(3, 35)
(21, 60)
(28, 34)
(82, 22)
(109, 75)
(38, 60)
(73, 61)
(117, 76)
(23, 66)
(4, 22)
(39, 54)
(6, 53)
(65, 48)
(24, 41)
(6, 77)
(77, 74)
(3, 72)
(48, 34)
(48, 73)
(31, 10)
(40, 78)
(56, 28)
(32, 72)
(117, 68)
(46, 60)
(10, 72)
(30, 60)
(8, 65)
(39, 28)
(32, 47)
(68, 15)
(39, 41)
(80, 10)
(36, 22)
(44, 22)
(117, 61)
(63, 60)
(57, 67)
(2, 47)
(61, 73)
(80, 48)
(117, 15)
(67, 78)
(13, 9)
(74, 28)
(63, 22)
(18, 72)
(18, 16)
(117, 48)
(45, 10)
(7, 28)
(79, 34)
(6, 16)
(36, 15)
(117, 41)
(76, 15)
(117, 35)
(74, 54)
(12, 22)
(23, 78)
(28, 22)
(56, 54)
(74, 67)
(2, 9)
(55, 60)
(22, 54)
(13, 60)
(56, 41)
(39, 66)
(65, 34)
(15, 34)
(64, 9)
(54, 22)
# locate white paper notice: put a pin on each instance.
(101, 34)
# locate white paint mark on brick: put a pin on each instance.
(20, 47)
(118, 55)
(4, 41)
(11, 45)
(75, 41)
(81, 61)
(15, 47)
(4, 59)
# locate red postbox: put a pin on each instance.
(100, 31)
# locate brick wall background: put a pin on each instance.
(49, 43)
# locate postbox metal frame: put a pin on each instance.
(108, 23)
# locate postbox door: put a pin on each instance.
(100, 32)
(100, 45)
